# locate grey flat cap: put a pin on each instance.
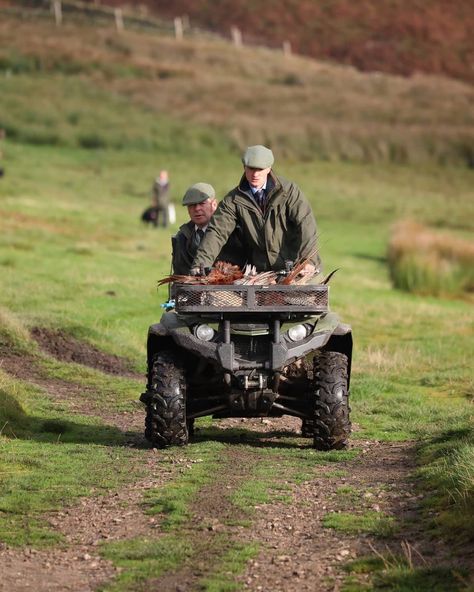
(258, 157)
(197, 193)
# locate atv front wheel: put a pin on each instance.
(307, 428)
(165, 422)
(332, 425)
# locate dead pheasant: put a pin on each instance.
(221, 274)
(251, 277)
(224, 273)
(292, 277)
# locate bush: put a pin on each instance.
(428, 262)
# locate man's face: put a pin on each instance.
(201, 213)
(256, 177)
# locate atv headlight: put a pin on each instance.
(204, 332)
(297, 333)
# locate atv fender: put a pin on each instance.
(285, 353)
(159, 339)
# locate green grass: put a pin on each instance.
(391, 572)
(61, 460)
(448, 470)
(70, 112)
(232, 564)
(172, 501)
(143, 560)
(375, 523)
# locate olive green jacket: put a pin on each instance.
(285, 232)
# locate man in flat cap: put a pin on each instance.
(275, 217)
(201, 202)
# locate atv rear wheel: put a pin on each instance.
(307, 428)
(332, 425)
(165, 422)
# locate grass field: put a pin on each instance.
(74, 256)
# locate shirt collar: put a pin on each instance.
(255, 189)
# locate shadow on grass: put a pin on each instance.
(237, 436)
(52, 431)
(454, 436)
(15, 423)
(374, 258)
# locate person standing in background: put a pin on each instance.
(159, 211)
(161, 198)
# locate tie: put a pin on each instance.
(198, 235)
(260, 198)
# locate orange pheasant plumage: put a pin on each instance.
(224, 273)
(221, 274)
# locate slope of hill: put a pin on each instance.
(301, 107)
(395, 36)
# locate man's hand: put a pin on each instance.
(200, 271)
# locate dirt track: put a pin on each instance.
(297, 552)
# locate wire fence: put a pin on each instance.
(64, 11)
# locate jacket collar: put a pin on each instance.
(272, 184)
(187, 229)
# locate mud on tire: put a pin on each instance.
(332, 425)
(165, 422)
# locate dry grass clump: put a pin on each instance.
(428, 262)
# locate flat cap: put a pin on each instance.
(258, 157)
(197, 193)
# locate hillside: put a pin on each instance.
(91, 115)
(301, 107)
(394, 36)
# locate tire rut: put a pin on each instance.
(213, 526)
(78, 397)
(77, 564)
(300, 554)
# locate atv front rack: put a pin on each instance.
(308, 299)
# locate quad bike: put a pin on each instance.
(249, 351)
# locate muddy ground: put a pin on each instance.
(297, 552)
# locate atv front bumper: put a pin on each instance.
(281, 353)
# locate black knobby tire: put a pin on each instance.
(307, 428)
(332, 425)
(165, 423)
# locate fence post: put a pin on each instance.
(178, 28)
(58, 14)
(236, 36)
(118, 19)
(287, 48)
